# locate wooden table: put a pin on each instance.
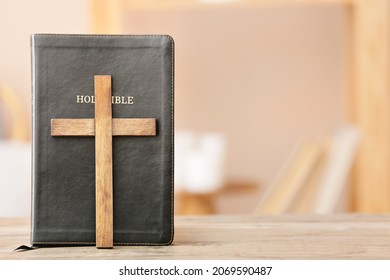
(234, 237)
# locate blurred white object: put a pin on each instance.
(205, 164)
(15, 179)
(184, 144)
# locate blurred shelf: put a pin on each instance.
(107, 16)
(191, 4)
(188, 203)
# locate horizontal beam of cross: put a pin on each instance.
(120, 127)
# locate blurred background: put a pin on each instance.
(281, 106)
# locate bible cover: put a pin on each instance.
(63, 168)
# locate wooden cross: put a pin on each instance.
(103, 127)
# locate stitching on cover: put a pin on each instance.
(65, 242)
(172, 138)
(173, 134)
(95, 35)
(93, 243)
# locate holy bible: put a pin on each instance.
(101, 102)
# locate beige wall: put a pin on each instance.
(19, 19)
(263, 76)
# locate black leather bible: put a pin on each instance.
(63, 168)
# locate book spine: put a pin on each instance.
(33, 131)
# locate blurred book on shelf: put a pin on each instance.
(292, 178)
(314, 178)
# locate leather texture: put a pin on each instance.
(63, 183)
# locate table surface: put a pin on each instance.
(233, 237)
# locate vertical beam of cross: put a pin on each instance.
(103, 162)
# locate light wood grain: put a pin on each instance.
(72, 127)
(120, 127)
(234, 237)
(103, 162)
(370, 105)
